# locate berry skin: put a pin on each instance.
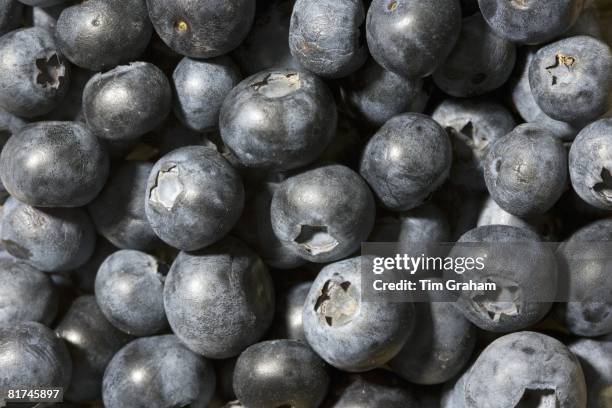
(101, 34)
(590, 164)
(326, 36)
(526, 170)
(202, 28)
(34, 74)
(530, 22)
(406, 161)
(400, 30)
(480, 62)
(570, 79)
(54, 164)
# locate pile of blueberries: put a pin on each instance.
(187, 184)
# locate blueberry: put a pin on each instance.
(323, 214)
(473, 126)
(594, 356)
(528, 21)
(34, 75)
(54, 239)
(32, 357)
(202, 28)
(407, 160)
(526, 170)
(255, 228)
(540, 372)
(101, 34)
(119, 210)
(266, 46)
(219, 300)
(375, 389)
(157, 372)
(410, 37)
(54, 164)
(219, 135)
(347, 332)
(278, 119)
(570, 79)
(590, 164)
(584, 264)
(193, 198)
(480, 62)
(92, 341)
(129, 290)
(10, 15)
(288, 320)
(200, 88)
(374, 95)
(327, 37)
(440, 345)
(9, 125)
(280, 373)
(526, 105)
(26, 293)
(526, 284)
(546, 225)
(125, 103)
